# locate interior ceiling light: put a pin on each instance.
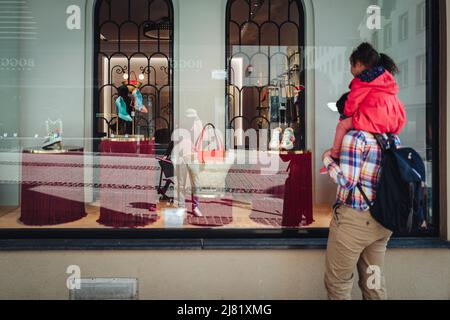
(158, 30)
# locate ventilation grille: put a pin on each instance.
(106, 289)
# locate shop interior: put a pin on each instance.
(132, 177)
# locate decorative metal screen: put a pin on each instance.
(265, 61)
(134, 47)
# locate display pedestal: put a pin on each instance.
(52, 190)
(128, 192)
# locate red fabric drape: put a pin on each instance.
(128, 193)
(52, 189)
(127, 147)
(298, 198)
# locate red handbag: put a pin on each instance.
(214, 155)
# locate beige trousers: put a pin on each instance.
(355, 240)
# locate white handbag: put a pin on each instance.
(209, 179)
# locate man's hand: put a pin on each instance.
(326, 154)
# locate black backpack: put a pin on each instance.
(401, 190)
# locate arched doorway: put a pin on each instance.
(265, 42)
(133, 46)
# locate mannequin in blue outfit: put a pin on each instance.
(125, 105)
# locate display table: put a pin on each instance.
(298, 195)
(128, 194)
(52, 188)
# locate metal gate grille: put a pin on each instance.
(265, 42)
(134, 47)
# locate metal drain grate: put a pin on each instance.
(106, 289)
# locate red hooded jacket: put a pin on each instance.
(374, 106)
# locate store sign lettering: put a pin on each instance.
(74, 19)
(374, 18)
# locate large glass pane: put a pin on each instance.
(119, 115)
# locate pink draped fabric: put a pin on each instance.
(298, 198)
(127, 147)
(52, 188)
(128, 195)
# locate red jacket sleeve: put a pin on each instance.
(358, 93)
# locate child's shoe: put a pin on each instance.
(287, 142)
(122, 110)
(275, 139)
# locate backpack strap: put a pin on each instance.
(386, 144)
(348, 201)
(391, 139)
(366, 198)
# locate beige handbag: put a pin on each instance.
(208, 174)
(209, 179)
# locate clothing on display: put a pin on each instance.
(139, 105)
(122, 110)
(274, 105)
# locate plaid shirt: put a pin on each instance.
(359, 163)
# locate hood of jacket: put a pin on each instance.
(384, 82)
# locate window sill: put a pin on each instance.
(199, 244)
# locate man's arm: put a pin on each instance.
(347, 172)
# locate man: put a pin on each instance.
(355, 239)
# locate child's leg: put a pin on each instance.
(342, 128)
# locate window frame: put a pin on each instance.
(403, 34)
(421, 6)
(387, 35)
(421, 64)
(403, 76)
(91, 238)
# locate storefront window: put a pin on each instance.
(160, 114)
